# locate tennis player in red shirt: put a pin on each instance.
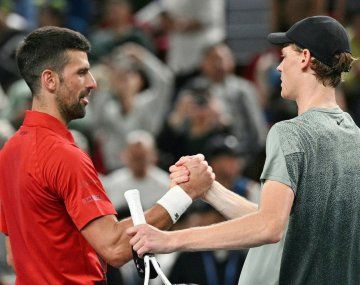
(53, 208)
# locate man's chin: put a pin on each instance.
(284, 95)
(79, 114)
(287, 96)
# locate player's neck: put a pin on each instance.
(45, 106)
(316, 96)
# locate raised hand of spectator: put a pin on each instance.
(133, 51)
(183, 108)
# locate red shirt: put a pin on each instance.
(49, 190)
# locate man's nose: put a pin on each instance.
(92, 82)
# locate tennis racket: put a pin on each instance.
(137, 214)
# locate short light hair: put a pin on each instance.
(330, 76)
(140, 137)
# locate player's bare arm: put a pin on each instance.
(228, 203)
(264, 226)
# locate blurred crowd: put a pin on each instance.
(169, 85)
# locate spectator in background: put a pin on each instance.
(286, 12)
(191, 25)
(50, 15)
(342, 10)
(238, 95)
(197, 117)
(225, 157)
(6, 131)
(27, 9)
(19, 96)
(80, 140)
(4, 101)
(10, 37)
(79, 14)
(140, 172)
(75, 15)
(220, 267)
(131, 103)
(119, 29)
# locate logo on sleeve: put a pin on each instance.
(91, 198)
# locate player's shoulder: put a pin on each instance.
(49, 140)
(66, 152)
(291, 126)
(289, 131)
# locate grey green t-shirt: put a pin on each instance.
(318, 155)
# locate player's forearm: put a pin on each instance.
(249, 231)
(157, 216)
(229, 204)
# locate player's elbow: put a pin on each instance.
(274, 237)
(117, 251)
(115, 262)
(274, 231)
(108, 238)
(117, 256)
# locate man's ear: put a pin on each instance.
(49, 80)
(305, 58)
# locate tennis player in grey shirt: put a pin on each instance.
(305, 229)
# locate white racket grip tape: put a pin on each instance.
(133, 199)
(147, 269)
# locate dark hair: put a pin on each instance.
(45, 48)
(330, 76)
(222, 145)
(199, 90)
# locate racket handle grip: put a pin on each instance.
(133, 200)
